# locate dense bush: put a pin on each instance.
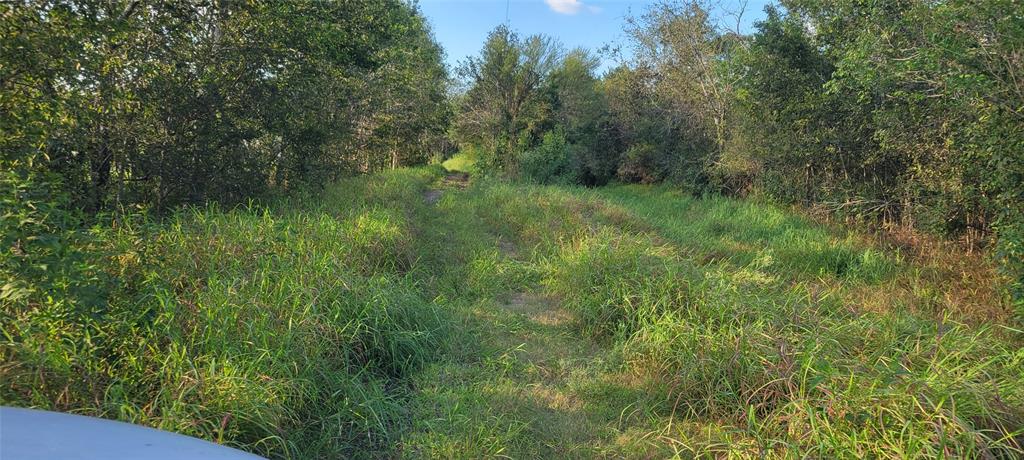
(164, 103)
(46, 254)
(551, 162)
(905, 112)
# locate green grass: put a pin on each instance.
(461, 162)
(283, 329)
(725, 327)
(525, 322)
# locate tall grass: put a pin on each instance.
(284, 329)
(752, 317)
(347, 322)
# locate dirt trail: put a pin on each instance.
(570, 393)
(457, 180)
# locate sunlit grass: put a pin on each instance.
(748, 313)
(461, 162)
(523, 321)
(282, 329)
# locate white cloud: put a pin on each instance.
(570, 6)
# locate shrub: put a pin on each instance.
(551, 162)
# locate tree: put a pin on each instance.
(580, 111)
(676, 74)
(503, 111)
(169, 103)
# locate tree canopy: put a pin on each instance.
(168, 103)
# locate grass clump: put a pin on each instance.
(762, 339)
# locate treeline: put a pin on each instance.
(906, 113)
(119, 103)
(112, 108)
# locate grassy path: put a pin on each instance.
(409, 314)
(533, 389)
(526, 384)
(636, 322)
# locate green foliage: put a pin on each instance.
(359, 320)
(45, 256)
(461, 162)
(166, 104)
(640, 164)
(580, 113)
(306, 326)
(551, 162)
(785, 107)
(635, 124)
(904, 113)
(502, 111)
(522, 91)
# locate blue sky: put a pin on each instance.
(462, 25)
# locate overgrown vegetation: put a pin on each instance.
(284, 329)
(160, 104)
(339, 323)
(198, 233)
(759, 332)
(905, 114)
